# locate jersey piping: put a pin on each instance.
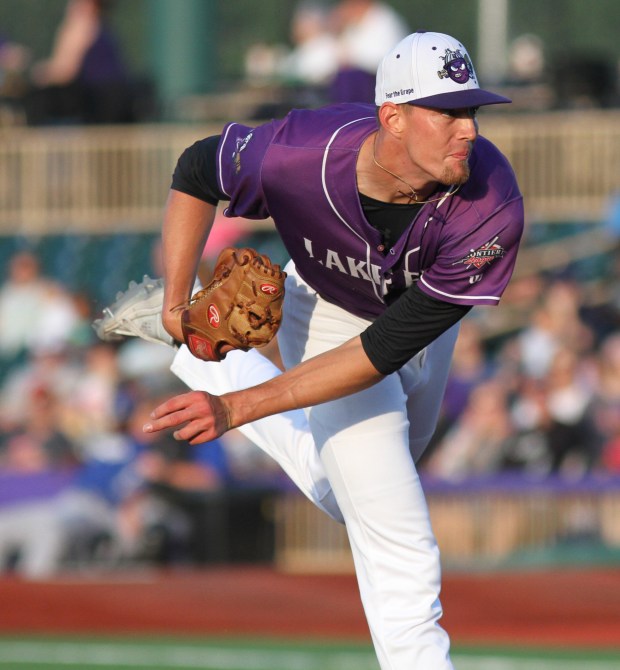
(219, 160)
(331, 202)
(458, 297)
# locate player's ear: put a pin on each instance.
(391, 118)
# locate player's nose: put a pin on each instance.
(468, 128)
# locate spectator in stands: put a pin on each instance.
(606, 401)
(35, 312)
(90, 402)
(46, 368)
(556, 321)
(526, 60)
(85, 78)
(475, 444)
(528, 450)
(37, 441)
(366, 31)
(14, 60)
(307, 69)
(572, 440)
(32, 451)
(314, 57)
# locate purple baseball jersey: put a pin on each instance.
(301, 171)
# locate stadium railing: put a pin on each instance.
(501, 520)
(110, 178)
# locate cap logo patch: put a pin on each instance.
(456, 67)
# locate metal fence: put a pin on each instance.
(97, 179)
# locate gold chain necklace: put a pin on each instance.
(412, 196)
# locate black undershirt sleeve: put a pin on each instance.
(196, 173)
(406, 327)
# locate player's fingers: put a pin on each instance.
(212, 421)
(179, 410)
(198, 417)
(189, 405)
(196, 432)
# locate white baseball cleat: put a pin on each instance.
(136, 312)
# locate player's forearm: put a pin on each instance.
(187, 222)
(334, 374)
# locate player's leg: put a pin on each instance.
(285, 437)
(364, 444)
(424, 381)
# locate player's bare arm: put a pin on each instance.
(187, 222)
(204, 417)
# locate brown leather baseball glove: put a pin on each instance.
(241, 306)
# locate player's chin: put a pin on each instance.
(456, 174)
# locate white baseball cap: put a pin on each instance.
(431, 70)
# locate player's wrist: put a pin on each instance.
(225, 416)
(171, 320)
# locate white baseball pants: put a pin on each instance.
(353, 458)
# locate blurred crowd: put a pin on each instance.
(80, 482)
(333, 54)
(545, 402)
(330, 55)
(334, 50)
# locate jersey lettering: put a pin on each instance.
(411, 277)
(333, 260)
(377, 275)
(357, 268)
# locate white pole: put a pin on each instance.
(492, 57)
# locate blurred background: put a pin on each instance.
(98, 99)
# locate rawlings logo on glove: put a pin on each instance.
(241, 306)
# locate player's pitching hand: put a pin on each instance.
(198, 417)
